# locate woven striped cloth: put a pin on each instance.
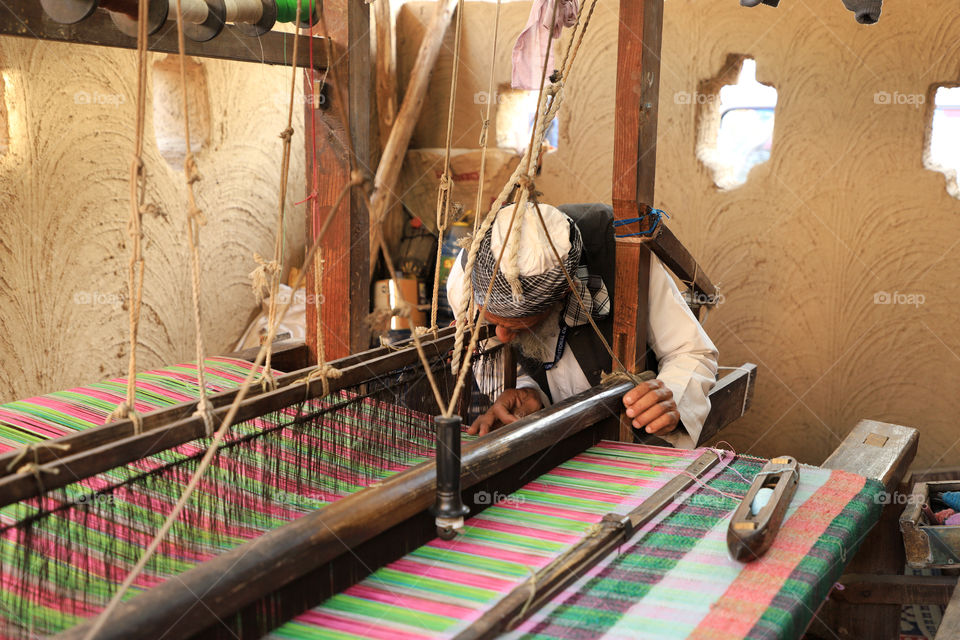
(63, 566)
(674, 579)
(60, 413)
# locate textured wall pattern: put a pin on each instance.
(842, 212)
(64, 207)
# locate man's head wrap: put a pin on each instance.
(542, 281)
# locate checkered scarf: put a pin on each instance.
(542, 290)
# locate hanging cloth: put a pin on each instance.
(531, 47)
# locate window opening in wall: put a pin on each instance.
(736, 123)
(943, 141)
(168, 109)
(515, 114)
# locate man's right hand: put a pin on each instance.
(512, 405)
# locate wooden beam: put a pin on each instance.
(395, 149)
(345, 247)
(679, 260)
(876, 450)
(27, 20)
(866, 588)
(634, 167)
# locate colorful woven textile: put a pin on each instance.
(674, 579)
(64, 565)
(60, 413)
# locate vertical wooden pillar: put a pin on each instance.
(634, 172)
(345, 248)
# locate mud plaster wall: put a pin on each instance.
(64, 206)
(843, 210)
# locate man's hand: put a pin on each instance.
(651, 405)
(512, 405)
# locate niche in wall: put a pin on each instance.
(168, 109)
(942, 148)
(735, 115)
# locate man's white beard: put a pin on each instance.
(540, 343)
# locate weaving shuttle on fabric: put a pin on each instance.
(674, 579)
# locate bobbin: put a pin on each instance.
(264, 24)
(209, 28)
(124, 15)
(68, 11)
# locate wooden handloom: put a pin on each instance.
(296, 566)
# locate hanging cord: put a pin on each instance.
(323, 370)
(275, 266)
(573, 49)
(445, 189)
(519, 176)
(484, 131)
(656, 214)
(358, 179)
(461, 354)
(138, 206)
(195, 220)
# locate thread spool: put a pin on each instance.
(243, 11)
(202, 20)
(124, 14)
(287, 11)
(68, 11)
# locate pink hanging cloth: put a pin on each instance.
(531, 46)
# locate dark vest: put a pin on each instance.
(595, 222)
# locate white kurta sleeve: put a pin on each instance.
(687, 356)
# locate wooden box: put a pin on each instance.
(927, 544)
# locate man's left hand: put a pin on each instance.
(651, 406)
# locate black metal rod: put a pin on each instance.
(232, 580)
(448, 508)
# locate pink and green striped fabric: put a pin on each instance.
(674, 579)
(65, 565)
(60, 413)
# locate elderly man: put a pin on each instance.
(559, 352)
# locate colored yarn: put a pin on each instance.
(287, 10)
(951, 499)
(672, 580)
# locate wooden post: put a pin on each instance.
(345, 247)
(634, 167)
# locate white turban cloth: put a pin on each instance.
(541, 278)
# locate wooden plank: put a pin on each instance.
(100, 452)
(678, 259)
(27, 20)
(876, 450)
(634, 165)
(950, 624)
(114, 431)
(884, 452)
(730, 399)
(287, 355)
(866, 588)
(231, 580)
(637, 106)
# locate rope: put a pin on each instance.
(195, 220)
(445, 189)
(138, 206)
(324, 371)
(656, 214)
(484, 129)
(221, 432)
